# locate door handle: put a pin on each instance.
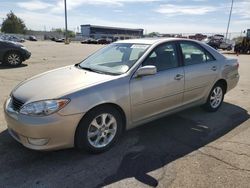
(214, 68)
(178, 77)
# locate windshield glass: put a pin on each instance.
(116, 58)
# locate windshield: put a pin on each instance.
(116, 58)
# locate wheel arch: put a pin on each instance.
(223, 83)
(12, 50)
(116, 106)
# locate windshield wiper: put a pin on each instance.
(88, 68)
(97, 71)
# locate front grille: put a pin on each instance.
(16, 104)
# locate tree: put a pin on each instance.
(13, 24)
(71, 33)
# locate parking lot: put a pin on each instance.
(192, 148)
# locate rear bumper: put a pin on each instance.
(55, 131)
(232, 81)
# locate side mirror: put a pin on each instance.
(146, 70)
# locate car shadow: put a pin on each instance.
(3, 66)
(140, 151)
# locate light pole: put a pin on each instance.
(229, 19)
(66, 23)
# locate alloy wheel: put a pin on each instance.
(216, 97)
(102, 130)
(13, 59)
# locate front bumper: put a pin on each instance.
(56, 131)
(26, 54)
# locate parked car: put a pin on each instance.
(12, 38)
(127, 83)
(13, 54)
(53, 38)
(32, 38)
(16, 39)
(89, 41)
(85, 41)
(213, 42)
(59, 39)
(218, 37)
(104, 41)
(225, 46)
(198, 36)
(218, 44)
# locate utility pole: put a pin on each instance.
(229, 19)
(66, 23)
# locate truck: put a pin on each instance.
(243, 47)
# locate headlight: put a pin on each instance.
(44, 108)
(23, 47)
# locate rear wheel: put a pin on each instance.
(99, 129)
(215, 98)
(13, 59)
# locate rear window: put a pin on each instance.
(194, 54)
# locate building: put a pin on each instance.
(114, 33)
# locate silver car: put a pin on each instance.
(123, 85)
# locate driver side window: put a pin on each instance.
(163, 57)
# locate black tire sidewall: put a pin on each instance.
(81, 138)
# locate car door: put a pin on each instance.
(154, 94)
(201, 70)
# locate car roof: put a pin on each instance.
(151, 41)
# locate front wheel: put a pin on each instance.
(13, 59)
(99, 129)
(215, 98)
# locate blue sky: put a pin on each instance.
(164, 16)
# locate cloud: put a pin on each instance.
(242, 9)
(118, 10)
(34, 5)
(58, 5)
(174, 10)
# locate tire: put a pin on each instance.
(13, 59)
(94, 134)
(215, 98)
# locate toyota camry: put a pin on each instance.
(125, 84)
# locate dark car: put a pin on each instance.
(32, 38)
(89, 41)
(59, 39)
(215, 43)
(16, 39)
(53, 38)
(103, 41)
(13, 54)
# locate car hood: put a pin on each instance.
(11, 43)
(56, 83)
